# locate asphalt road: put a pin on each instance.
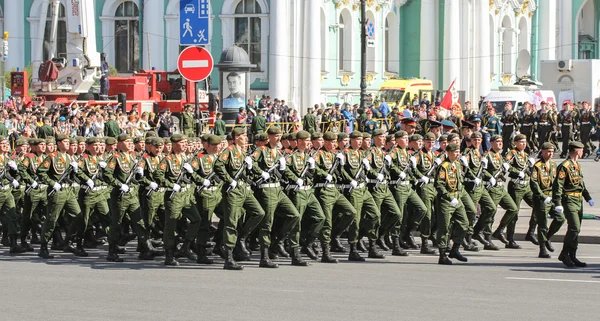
(503, 285)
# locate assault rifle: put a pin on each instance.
(236, 177)
(181, 175)
(132, 172)
(64, 176)
(212, 176)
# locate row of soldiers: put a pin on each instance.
(281, 201)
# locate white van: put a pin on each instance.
(517, 98)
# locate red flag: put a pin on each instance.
(447, 100)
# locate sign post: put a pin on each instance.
(195, 64)
(193, 22)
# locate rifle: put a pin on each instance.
(358, 175)
(501, 171)
(210, 177)
(383, 170)
(132, 172)
(236, 177)
(302, 173)
(181, 175)
(433, 167)
(64, 176)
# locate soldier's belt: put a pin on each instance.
(99, 188)
(75, 185)
(375, 181)
(547, 192)
(160, 190)
(585, 123)
(527, 125)
(269, 185)
(508, 125)
(519, 181)
(42, 186)
(212, 188)
(183, 189)
(66, 185)
(544, 123)
(576, 194)
(568, 124)
(400, 183)
(361, 185)
(324, 185)
(301, 188)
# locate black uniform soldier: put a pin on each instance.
(527, 123)
(567, 120)
(509, 121)
(587, 122)
(545, 123)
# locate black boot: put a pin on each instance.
(468, 246)
(153, 250)
(455, 253)
(326, 257)
(308, 251)
(354, 255)
(264, 259)
(336, 245)
(573, 255)
(297, 258)
(425, 248)
(360, 245)
(444, 260)
(530, 236)
(512, 245)
(499, 234)
(549, 246)
(79, 251)
(44, 253)
(397, 250)
(57, 240)
(490, 246)
(186, 251)
(68, 246)
(373, 253)
(170, 258)
(113, 256)
(26, 246)
(381, 243)
(241, 252)
(230, 263)
(5, 241)
(145, 253)
(479, 238)
(35, 239)
(543, 252)
(566, 258)
(202, 255)
(14, 246)
(410, 241)
(254, 245)
(278, 248)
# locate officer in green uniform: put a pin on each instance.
(111, 127)
(208, 193)
(542, 178)
(231, 168)
(172, 173)
(187, 121)
(259, 123)
(309, 121)
(379, 179)
(519, 190)
(367, 218)
(63, 197)
(8, 214)
(124, 198)
(220, 128)
(412, 208)
(450, 208)
(568, 190)
(153, 196)
(300, 172)
(46, 130)
(330, 198)
(268, 162)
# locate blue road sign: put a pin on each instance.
(370, 29)
(193, 21)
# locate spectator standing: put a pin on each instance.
(111, 127)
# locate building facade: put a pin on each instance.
(308, 51)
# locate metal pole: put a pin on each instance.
(197, 117)
(363, 54)
(2, 86)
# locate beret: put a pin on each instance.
(49, 140)
(330, 136)
(452, 136)
(123, 137)
(21, 141)
(400, 134)
(316, 135)
(151, 133)
(238, 132)
(81, 139)
(452, 147)
(156, 141)
(378, 132)
(443, 138)
(214, 140)
(476, 135)
(261, 137)
(496, 138)
(138, 139)
(36, 141)
(519, 137)
(293, 136)
(342, 136)
(415, 137)
(167, 140)
(73, 141)
(356, 134)
(110, 141)
(366, 135)
(575, 145)
(274, 130)
(61, 137)
(176, 138)
(429, 136)
(547, 145)
(204, 137)
(302, 134)
(92, 140)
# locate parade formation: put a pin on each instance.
(297, 195)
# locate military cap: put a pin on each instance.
(167, 140)
(238, 132)
(21, 141)
(292, 136)
(452, 147)
(31, 140)
(547, 145)
(229, 137)
(466, 124)
(519, 137)
(204, 137)
(138, 139)
(496, 138)
(356, 134)
(302, 134)
(262, 137)
(342, 136)
(157, 141)
(176, 138)
(73, 141)
(274, 130)
(434, 124)
(415, 137)
(429, 136)
(400, 134)
(448, 123)
(316, 135)
(575, 145)
(149, 140)
(378, 132)
(92, 140)
(409, 122)
(389, 138)
(443, 138)
(81, 139)
(475, 118)
(330, 136)
(49, 140)
(123, 137)
(214, 140)
(151, 133)
(110, 141)
(452, 136)
(61, 137)
(366, 135)
(476, 135)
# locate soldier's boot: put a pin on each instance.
(354, 255)
(511, 241)
(307, 249)
(327, 257)
(203, 255)
(242, 253)
(67, 246)
(265, 261)
(566, 258)
(490, 246)
(455, 253)
(530, 236)
(360, 245)
(549, 246)
(170, 258)
(14, 246)
(90, 241)
(25, 245)
(410, 241)
(381, 242)
(499, 234)
(397, 250)
(57, 240)
(44, 253)
(433, 239)
(279, 249)
(336, 245)
(145, 253)
(35, 239)
(444, 260)
(373, 253)
(113, 256)
(468, 245)
(186, 251)
(153, 250)
(425, 248)
(479, 238)
(79, 251)
(297, 258)
(5, 241)
(230, 263)
(120, 250)
(543, 252)
(315, 247)
(254, 245)
(573, 256)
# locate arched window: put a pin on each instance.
(61, 33)
(341, 44)
(390, 51)
(345, 41)
(507, 46)
(247, 30)
(323, 42)
(127, 37)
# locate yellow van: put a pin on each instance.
(403, 90)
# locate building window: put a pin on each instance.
(345, 41)
(60, 49)
(247, 30)
(324, 35)
(127, 37)
(341, 44)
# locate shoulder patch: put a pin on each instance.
(442, 175)
(53, 154)
(46, 163)
(112, 164)
(562, 174)
(509, 156)
(26, 162)
(163, 166)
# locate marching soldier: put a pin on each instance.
(493, 125)
(542, 178)
(567, 120)
(527, 126)
(545, 123)
(509, 122)
(587, 123)
(568, 191)
(187, 122)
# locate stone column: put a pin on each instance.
(13, 23)
(565, 30)
(482, 23)
(428, 66)
(153, 35)
(547, 30)
(451, 43)
(312, 56)
(279, 50)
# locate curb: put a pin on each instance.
(583, 239)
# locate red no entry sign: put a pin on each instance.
(195, 63)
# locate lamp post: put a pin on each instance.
(363, 54)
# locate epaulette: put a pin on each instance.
(200, 155)
(538, 164)
(230, 147)
(30, 155)
(168, 157)
(146, 156)
(85, 156)
(347, 149)
(53, 154)
(116, 155)
(321, 151)
(262, 147)
(445, 163)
